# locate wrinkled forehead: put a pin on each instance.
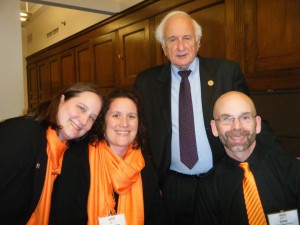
(179, 23)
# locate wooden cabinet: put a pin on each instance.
(118, 56)
(32, 84)
(272, 47)
(67, 68)
(82, 63)
(38, 83)
(54, 70)
(108, 60)
(133, 52)
(61, 69)
(273, 35)
(46, 77)
(261, 35)
(103, 60)
(43, 81)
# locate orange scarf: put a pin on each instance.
(55, 152)
(111, 173)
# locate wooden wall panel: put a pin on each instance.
(32, 79)
(32, 84)
(103, 56)
(262, 35)
(212, 21)
(82, 54)
(68, 68)
(55, 76)
(134, 51)
(272, 47)
(43, 81)
(277, 36)
(281, 109)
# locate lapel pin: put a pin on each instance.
(37, 166)
(210, 83)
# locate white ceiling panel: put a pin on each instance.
(107, 7)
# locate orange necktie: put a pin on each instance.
(254, 208)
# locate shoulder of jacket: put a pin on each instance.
(217, 61)
(155, 69)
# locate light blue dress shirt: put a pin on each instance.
(203, 148)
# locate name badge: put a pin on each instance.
(112, 220)
(289, 217)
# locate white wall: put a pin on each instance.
(16, 43)
(50, 18)
(11, 73)
(14, 47)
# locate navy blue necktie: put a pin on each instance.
(187, 137)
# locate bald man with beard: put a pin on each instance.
(220, 197)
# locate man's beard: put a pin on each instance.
(238, 147)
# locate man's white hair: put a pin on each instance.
(159, 33)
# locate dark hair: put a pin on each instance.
(140, 138)
(46, 112)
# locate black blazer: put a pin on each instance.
(154, 87)
(23, 164)
(70, 194)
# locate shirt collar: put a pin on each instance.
(253, 160)
(192, 67)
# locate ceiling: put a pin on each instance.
(107, 7)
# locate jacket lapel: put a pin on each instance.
(163, 91)
(39, 174)
(208, 90)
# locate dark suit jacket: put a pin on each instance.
(70, 194)
(23, 164)
(220, 198)
(154, 87)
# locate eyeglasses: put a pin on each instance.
(228, 119)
